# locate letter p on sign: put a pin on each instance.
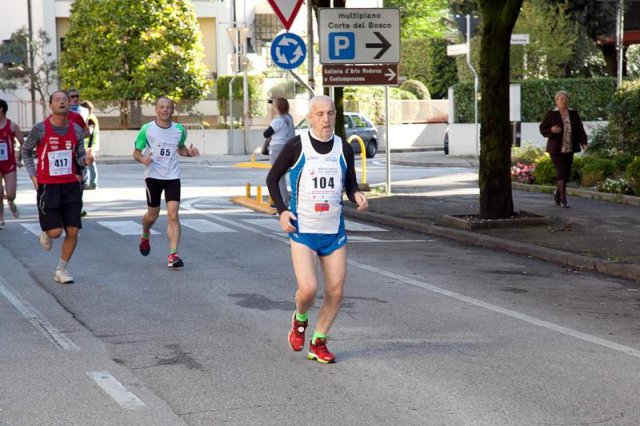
(342, 45)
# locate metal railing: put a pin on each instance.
(123, 115)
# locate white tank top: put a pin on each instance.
(317, 195)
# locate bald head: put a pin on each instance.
(322, 117)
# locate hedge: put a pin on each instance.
(590, 96)
(257, 104)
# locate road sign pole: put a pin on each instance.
(475, 86)
(386, 138)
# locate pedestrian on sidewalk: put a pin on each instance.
(322, 166)
(565, 135)
(9, 161)
(157, 147)
(280, 130)
(60, 151)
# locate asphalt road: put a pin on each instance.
(431, 332)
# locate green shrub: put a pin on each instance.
(416, 87)
(623, 160)
(624, 120)
(596, 169)
(602, 142)
(257, 105)
(590, 96)
(633, 175)
(615, 186)
(576, 167)
(545, 173)
(526, 154)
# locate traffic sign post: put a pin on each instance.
(286, 10)
(359, 36)
(360, 75)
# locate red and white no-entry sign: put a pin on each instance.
(286, 10)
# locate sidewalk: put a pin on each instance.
(593, 234)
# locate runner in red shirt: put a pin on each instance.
(60, 149)
(9, 161)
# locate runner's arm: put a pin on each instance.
(34, 137)
(351, 183)
(284, 162)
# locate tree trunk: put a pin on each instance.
(498, 19)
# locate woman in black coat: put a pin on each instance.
(565, 135)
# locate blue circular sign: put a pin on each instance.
(288, 51)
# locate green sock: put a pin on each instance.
(173, 251)
(317, 335)
(302, 317)
(145, 235)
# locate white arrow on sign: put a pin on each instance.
(390, 74)
(286, 10)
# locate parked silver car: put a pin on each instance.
(356, 124)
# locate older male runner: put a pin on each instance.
(322, 166)
(60, 151)
(157, 147)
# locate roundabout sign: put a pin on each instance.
(288, 51)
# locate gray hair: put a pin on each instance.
(313, 101)
(561, 93)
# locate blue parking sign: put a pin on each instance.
(342, 45)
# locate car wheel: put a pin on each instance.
(372, 148)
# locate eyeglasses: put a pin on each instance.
(74, 96)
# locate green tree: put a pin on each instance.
(421, 18)
(139, 50)
(20, 73)
(426, 60)
(552, 38)
(498, 19)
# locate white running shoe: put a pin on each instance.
(45, 241)
(63, 277)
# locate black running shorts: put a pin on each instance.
(155, 187)
(59, 205)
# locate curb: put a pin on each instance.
(618, 270)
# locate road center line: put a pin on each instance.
(116, 390)
(508, 312)
(37, 320)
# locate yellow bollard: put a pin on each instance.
(259, 194)
(363, 153)
(253, 158)
(248, 190)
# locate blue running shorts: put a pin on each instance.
(322, 244)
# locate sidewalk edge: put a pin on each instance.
(619, 270)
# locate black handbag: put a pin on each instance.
(265, 146)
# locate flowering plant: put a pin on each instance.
(522, 173)
(615, 186)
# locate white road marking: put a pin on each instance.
(116, 390)
(361, 227)
(33, 227)
(271, 223)
(37, 320)
(203, 225)
(124, 227)
(508, 312)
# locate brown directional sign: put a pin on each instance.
(360, 75)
